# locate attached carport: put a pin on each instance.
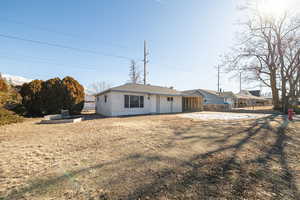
(192, 102)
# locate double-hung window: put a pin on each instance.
(133, 101)
(170, 99)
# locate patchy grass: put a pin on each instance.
(151, 157)
(8, 117)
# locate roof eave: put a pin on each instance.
(103, 92)
(139, 92)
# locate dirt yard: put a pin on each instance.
(151, 157)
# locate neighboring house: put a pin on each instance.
(137, 99)
(89, 103)
(229, 98)
(269, 100)
(192, 101)
(214, 101)
(256, 93)
(209, 96)
(245, 99)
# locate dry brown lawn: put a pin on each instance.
(151, 157)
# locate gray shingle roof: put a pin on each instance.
(209, 91)
(140, 88)
(200, 91)
(191, 93)
(228, 94)
(244, 94)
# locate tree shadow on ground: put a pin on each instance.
(256, 109)
(255, 166)
(243, 170)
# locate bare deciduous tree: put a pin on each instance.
(269, 51)
(134, 73)
(98, 87)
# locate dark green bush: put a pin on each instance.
(20, 109)
(51, 96)
(74, 95)
(32, 98)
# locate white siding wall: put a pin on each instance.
(153, 104)
(118, 108)
(177, 107)
(102, 107)
(115, 105)
(169, 106)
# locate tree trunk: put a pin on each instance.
(284, 97)
(275, 94)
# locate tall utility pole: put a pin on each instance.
(218, 78)
(145, 62)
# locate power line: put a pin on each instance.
(42, 28)
(166, 67)
(63, 46)
(42, 59)
(75, 49)
(36, 27)
(51, 63)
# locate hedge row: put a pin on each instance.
(51, 96)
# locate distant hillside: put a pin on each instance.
(15, 80)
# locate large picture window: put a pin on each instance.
(126, 100)
(132, 101)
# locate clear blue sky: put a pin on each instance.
(185, 39)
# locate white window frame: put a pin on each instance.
(129, 101)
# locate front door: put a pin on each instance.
(157, 104)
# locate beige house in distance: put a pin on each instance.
(245, 99)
